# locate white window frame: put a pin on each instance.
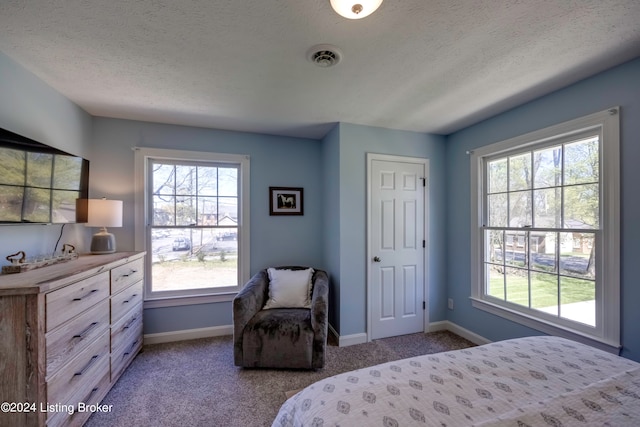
(606, 333)
(143, 157)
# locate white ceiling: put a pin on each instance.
(422, 65)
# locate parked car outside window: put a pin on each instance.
(180, 243)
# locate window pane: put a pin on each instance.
(164, 210)
(185, 180)
(515, 249)
(185, 210)
(191, 258)
(577, 256)
(547, 167)
(520, 172)
(547, 208)
(517, 284)
(577, 300)
(228, 208)
(495, 281)
(228, 181)
(207, 211)
(544, 292)
(543, 251)
(581, 207)
(163, 179)
(520, 209)
(494, 246)
(581, 162)
(497, 176)
(497, 205)
(207, 181)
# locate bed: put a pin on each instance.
(529, 381)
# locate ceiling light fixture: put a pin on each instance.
(355, 9)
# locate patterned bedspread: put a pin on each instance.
(523, 382)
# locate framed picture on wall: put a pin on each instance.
(286, 201)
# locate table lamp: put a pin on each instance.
(103, 213)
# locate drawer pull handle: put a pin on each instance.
(86, 296)
(132, 297)
(82, 334)
(131, 272)
(128, 325)
(86, 400)
(130, 349)
(88, 365)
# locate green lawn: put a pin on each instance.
(544, 289)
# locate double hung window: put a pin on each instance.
(545, 229)
(196, 233)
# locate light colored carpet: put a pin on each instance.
(288, 394)
(194, 383)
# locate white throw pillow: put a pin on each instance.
(289, 288)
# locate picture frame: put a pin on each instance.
(286, 201)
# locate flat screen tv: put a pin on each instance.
(39, 184)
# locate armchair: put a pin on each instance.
(280, 337)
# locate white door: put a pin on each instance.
(396, 246)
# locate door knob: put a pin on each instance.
(376, 259)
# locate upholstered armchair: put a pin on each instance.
(269, 333)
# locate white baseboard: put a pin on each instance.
(347, 340)
(189, 334)
(446, 325)
(343, 341)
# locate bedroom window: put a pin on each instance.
(545, 229)
(195, 233)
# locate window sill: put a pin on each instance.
(546, 327)
(188, 300)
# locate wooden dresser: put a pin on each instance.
(67, 333)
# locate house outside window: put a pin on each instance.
(545, 233)
(194, 207)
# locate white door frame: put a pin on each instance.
(393, 158)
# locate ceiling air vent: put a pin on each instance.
(324, 55)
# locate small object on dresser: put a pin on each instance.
(15, 263)
(20, 263)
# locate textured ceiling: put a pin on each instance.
(421, 65)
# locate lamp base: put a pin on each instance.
(103, 243)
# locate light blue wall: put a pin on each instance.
(331, 223)
(275, 161)
(31, 108)
(355, 142)
(618, 86)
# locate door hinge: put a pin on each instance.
(424, 244)
(424, 182)
(424, 305)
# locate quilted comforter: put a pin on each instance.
(523, 382)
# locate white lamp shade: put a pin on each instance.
(104, 213)
(349, 8)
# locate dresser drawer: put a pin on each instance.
(81, 372)
(68, 340)
(67, 302)
(125, 301)
(121, 357)
(124, 331)
(89, 396)
(126, 274)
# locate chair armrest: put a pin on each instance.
(246, 304)
(319, 305)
